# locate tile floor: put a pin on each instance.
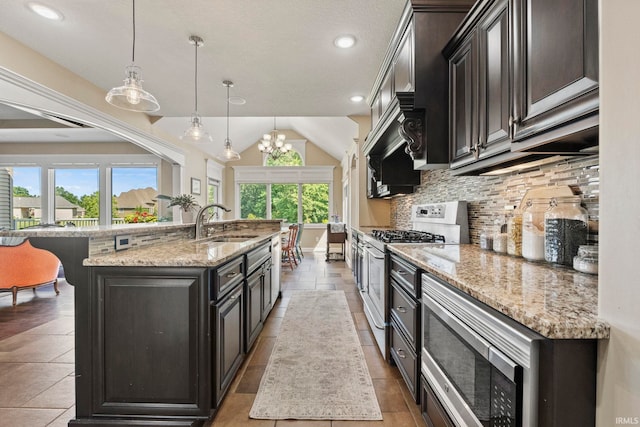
(36, 358)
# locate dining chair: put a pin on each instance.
(298, 248)
(289, 246)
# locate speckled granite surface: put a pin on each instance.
(556, 302)
(186, 253)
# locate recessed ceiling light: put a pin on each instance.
(345, 42)
(357, 98)
(237, 100)
(45, 11)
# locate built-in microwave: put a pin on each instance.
(481, 366)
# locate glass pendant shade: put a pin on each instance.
(132, 96)
(228, 154)
(196, 132)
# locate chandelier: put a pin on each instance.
(196, 132)
(272, 144)
(132, 96)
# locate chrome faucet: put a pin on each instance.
(199, 220)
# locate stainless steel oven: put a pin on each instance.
(481, 365)
(373, 292)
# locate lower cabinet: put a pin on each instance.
(148, 351)
(227, 318)
(255, 291)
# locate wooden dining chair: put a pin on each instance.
(289, 246)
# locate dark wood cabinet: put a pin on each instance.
(255, 293)
(480, 89)
(523, 82)
(228, 323)
(138, 314)
(555, 64)
(405, 314)
(432, 411)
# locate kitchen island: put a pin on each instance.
(162, 328)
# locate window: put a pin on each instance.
(77, 199)
(77, 188)
(134, 195)
(253, 201)
(27, 203)
(315, 203)
(284, 202)
(290, 158)
(292, 193)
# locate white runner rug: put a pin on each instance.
(317, 369)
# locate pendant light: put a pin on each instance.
(196, 132)
(228, 154)
(132, 96)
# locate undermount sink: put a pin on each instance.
(226, 239)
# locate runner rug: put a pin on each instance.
(317, 369)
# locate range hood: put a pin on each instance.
(409, 99)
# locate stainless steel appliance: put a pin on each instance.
(481, 365)
(432, 223)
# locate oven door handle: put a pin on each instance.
(373, 254)
(505, 365)
(469, 336)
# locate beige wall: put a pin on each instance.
(619, 283)
(314, 156)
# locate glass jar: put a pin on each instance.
(500, 235)
(514, 234)
(587, 259)
(486, 239)
(565, 229)
(533, 229)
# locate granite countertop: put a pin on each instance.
(556, 302)
(96, 231)
(185, 253)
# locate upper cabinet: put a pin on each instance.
(522, 82)
(409, 97)
(555, 63)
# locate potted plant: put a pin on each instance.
(188, 205)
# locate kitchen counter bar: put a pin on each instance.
(556, 302)
(185, 253)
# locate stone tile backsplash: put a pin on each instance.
(487, 196)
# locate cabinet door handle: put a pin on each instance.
(401, 354)
(233, 297)
(232, 274)
(402, 272)
(513, 122)
(401, 309)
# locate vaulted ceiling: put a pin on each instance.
(279, 54)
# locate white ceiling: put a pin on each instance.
(279, 54)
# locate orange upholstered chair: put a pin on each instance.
(23, 267)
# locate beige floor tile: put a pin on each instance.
(263, 349)
(389, 395)
(21, 382)
(63, 420)
(61, 326)
(302, 423)
(37, 348)
(378, 367)
(234, 412)
(68, 357)
(26, 417)
(60, 395)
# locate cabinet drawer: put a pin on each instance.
(406, 275)
(406, 360)
(405, 311)
(224, 278)
(432, 411)
(257, 256)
